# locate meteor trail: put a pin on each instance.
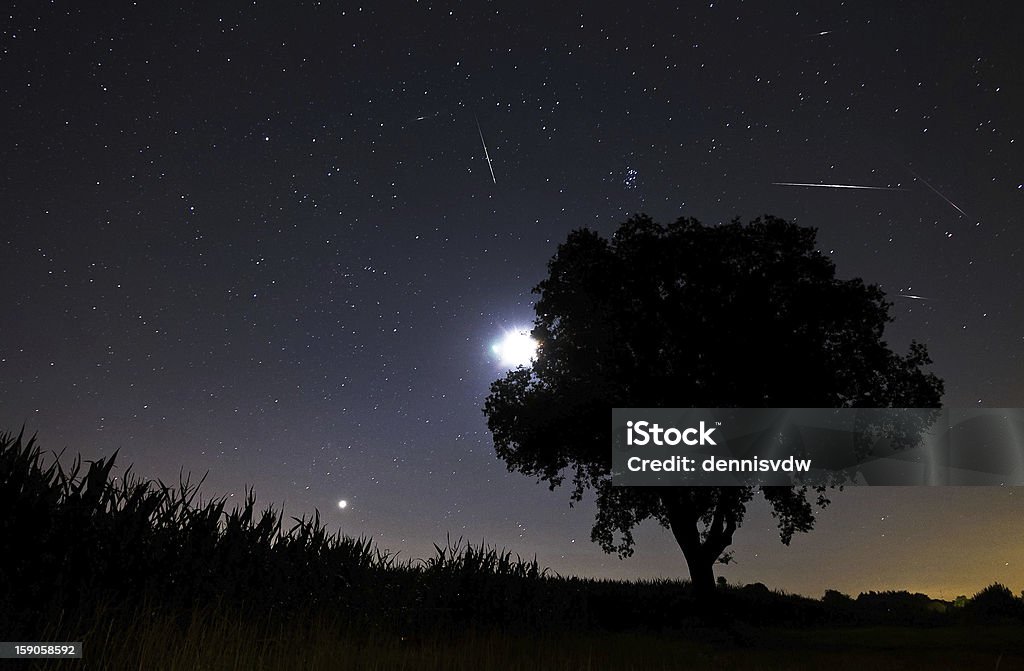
(839, 186)
(937, 192)
(422, 117)
(486, 153)
(914, 297)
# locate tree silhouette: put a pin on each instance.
(687, 315)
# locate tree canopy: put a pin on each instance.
(687, 315)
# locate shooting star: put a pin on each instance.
(914, 297)
(839, 186)
(937, 192)
(487, 155)
(824, 32)
(427, 116)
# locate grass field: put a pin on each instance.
(215, 641)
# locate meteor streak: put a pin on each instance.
(914, 297)
(486, 153)
(840, 186)
(938, 193)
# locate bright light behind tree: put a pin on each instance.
(517, 348)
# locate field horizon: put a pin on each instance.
(153, 573)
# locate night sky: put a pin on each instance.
(267, 242)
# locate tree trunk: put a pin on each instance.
(702, 575)
(700, 555)
(682, 520)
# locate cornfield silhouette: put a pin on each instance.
(77, 537)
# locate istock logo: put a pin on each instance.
(647, 433)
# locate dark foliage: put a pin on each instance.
(898, 607)
(995, 603)
(687, 315)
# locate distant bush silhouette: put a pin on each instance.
(902, 607)
(836, 599)
(995, 602)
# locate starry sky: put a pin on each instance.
(266, 241)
